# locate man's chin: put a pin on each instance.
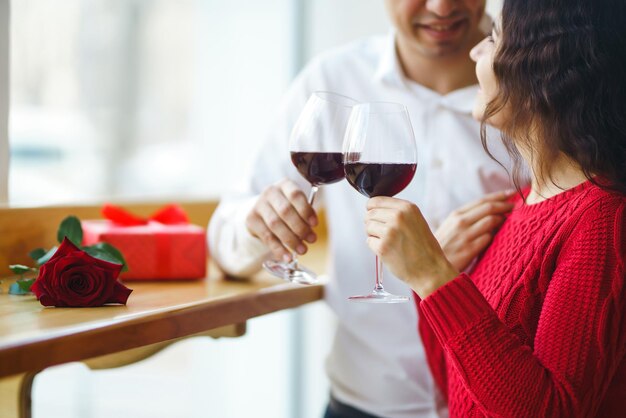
(444, 49)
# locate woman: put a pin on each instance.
(537, 328)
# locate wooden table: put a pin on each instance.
(158, 313)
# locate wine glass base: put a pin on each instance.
(286, 271)
(379, 296)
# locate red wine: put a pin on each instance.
(379, 179)
(319, 167)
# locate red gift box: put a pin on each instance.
(164, 246)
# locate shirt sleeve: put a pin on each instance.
(232, 246)
(580, 338)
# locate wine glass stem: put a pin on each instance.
(294, 255)
(312, 194)
(379, 274)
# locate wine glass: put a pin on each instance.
(315, 145)
(380, 158)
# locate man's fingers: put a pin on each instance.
(299, 201)
(486, 209)
(283, 207)
(484, 226)
(256, 225)
(491, 197)
(476, 246)
(279, 228)
(282, 218)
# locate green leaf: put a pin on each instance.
(37, 253)
(21, 287)
(70, 227)
(107, 252)
(25, 284)
(20, 269)
(47, 256)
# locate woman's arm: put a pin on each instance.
(580, 339)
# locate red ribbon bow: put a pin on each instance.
(168, 215)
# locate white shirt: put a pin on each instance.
(377, 362)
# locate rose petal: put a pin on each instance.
(70, 260)
(46, 300)
(40, 286)
(120, 294)
(108, 278)
(36, 289)
(73, 298)
(65, 248)
(82, 285)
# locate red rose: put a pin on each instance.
(73, 278)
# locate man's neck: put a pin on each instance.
(440, 74)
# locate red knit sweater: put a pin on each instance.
(539, 329)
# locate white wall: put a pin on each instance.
(494, 7)
(335, 22)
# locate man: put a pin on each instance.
(377, 365)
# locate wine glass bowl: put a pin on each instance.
(380, 159)
(379, 179)
(315, 145)
(319, 167)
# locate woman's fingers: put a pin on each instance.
(377, 229)
(383, 202)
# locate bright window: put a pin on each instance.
(135, 98)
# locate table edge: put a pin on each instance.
(153, 328)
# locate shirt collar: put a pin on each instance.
(389, 71)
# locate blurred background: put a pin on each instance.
(167, 99)
(154, 98)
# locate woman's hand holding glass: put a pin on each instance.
(399, 235)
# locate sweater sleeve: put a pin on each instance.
(580, 339)
(435, 354)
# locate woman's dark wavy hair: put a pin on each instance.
(561, 71)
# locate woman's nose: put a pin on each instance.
(477, 51)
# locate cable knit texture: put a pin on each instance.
(538, 330)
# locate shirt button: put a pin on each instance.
(437, 163)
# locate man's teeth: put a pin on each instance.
(441, 28)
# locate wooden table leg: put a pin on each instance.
(15, 395)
